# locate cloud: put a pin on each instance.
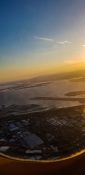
(44, 39)
(64, 42)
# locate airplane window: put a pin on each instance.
(42, 80)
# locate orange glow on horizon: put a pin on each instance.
(13, 74)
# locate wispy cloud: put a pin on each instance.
(44, 39)
(64, 42)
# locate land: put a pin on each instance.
(74, 76)
(79, 99)
(26, 85)
(81, 79)
(55, 133)
(42, 135)
(75, 93)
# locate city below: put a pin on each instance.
(47, 134)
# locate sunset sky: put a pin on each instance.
(40, 36)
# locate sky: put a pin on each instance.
(39, 37)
